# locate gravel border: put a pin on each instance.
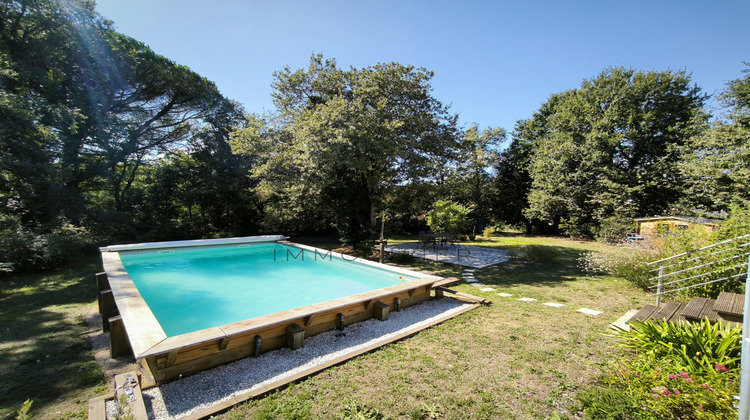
(208, 388)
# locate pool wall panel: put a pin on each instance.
(197, 357)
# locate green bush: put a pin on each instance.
(448, 216)
(540, 254)
(402, 258)
(695, 348)
(614, 229)
(629, 262)
(678, 370)
(24, 250)
(650, 390)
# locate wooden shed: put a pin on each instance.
(664, 225)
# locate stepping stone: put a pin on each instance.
(469, 271)
(527, 300)
(589, 311)
(472, 280)
(478, 284)
(487, 289)
(504, 294)
(553, 304)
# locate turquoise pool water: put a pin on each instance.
(192, 289)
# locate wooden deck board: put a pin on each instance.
(700, 308)
(137, 406)
(668, 312)
(730, 304)
(644, 313)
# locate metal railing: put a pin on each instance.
(722, 261)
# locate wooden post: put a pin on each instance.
(381, 311)
(107, 305)
(439, 294)
(102, 284)
(295, 336)
(118, 338)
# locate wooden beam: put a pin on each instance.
(107, 307)
(118, 338)
(223, 343)
(381, 311)
(295, 336)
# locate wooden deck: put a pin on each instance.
(727, 308)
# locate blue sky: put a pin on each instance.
(494, 61)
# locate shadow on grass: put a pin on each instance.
(44, 349)
(548, 265)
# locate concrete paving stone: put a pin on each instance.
(588, 311)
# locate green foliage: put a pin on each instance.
(608, 148)
(24, 250)
(471, 181)
(123, 410)
(357, 411)
(402, 258)
(540, 254)
(738, 222)
(342, 141)
(23, 412)
(645, 390)
(448, 216)
(694, 348)
(629, 262)
(87, 112)
(613, 230)
(679, 370)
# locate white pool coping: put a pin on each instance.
(193, 243)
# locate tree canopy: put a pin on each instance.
(611, 147)
(342, 139)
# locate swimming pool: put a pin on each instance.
(190, 305)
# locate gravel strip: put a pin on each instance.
(205, 389)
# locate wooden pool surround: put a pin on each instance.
(134, 329)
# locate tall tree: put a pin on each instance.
(471, 181)
(716, 164)
(343, 138)
(89, 105)
(610, 148)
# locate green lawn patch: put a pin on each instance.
(45, 353)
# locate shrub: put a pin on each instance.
(685, 371)
(448, 216)
(614, 229)
(695, 348)
(540, 254)
(651, 390)
(629, 262)
(24, 250)
(402, 258)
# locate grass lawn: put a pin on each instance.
(509, 359)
